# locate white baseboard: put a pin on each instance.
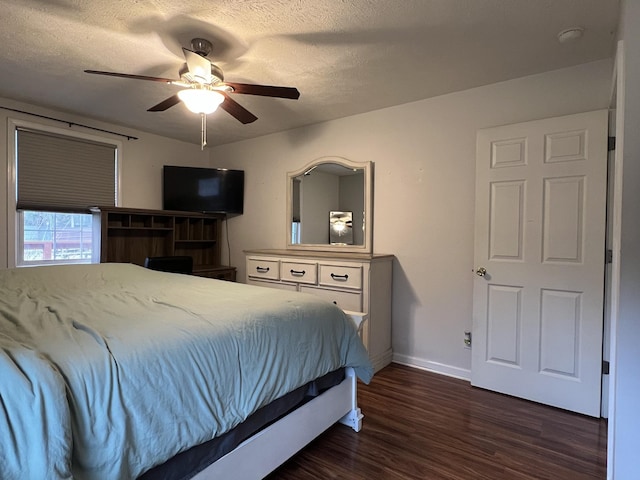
(382, 360)
(435, 367)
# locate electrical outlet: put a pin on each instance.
(467, 340)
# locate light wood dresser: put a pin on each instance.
(354, 281)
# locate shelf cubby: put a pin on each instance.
(131, 235)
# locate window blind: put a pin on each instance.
(62, 173)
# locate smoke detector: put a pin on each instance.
(570, 34)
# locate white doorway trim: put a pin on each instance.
(617, 98)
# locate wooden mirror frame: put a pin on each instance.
(367, 244)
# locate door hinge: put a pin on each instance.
(608, 256)
(605, 367)
(611, 143)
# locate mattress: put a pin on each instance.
(191, 462)
(111, 369)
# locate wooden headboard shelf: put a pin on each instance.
(128, 235)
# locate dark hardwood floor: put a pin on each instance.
(420, 425)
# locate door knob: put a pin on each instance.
(481, 272)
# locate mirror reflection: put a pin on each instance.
(329, 206)
(324, 198)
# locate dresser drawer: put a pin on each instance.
(258, 268)
(340, 276)
(299, 272)
(277, 285)
(345, 300)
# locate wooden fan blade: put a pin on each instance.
(238, 111)
(127, 75)
(165, 104)
(265, 90)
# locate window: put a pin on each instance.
(295, 233)
(58, 176)
(54, 237)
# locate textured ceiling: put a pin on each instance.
(345, 56)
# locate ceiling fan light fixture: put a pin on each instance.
(201, 46)
(200, 100)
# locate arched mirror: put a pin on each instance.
(329, 206)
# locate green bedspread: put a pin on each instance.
(107, 370)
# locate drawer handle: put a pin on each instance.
(342, 278)
(262, 269)
(297, 273)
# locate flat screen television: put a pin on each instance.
(208, 190)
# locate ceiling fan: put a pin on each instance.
(205, 88)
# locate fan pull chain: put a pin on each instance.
(203, 137)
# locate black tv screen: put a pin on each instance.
(209, 190)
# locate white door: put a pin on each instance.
(539, 235)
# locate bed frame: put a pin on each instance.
(262, 453)
(265, 451)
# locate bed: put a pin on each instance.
(114, 371)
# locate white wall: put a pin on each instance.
(624, 422)
(352, 200)
(424, 155)
(141, 160)
(319, 194)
